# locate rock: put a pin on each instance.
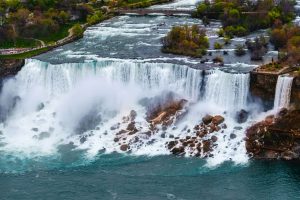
(214, 138)
(224, 126)
(269, 120)
(232, 136)
(178, 150)
(269, 154)
(242, 116)
(172, 144)
(282, 112)
(121, 132)
(35, 129)
(207, 119)
(289, 155)
(218, 119)
(116, 140)
(238, 128)
(217, 128)
(10, 67)
(279, 134)
(206, 146)
(124, 147)
(131, 126)
(114, 127)
(132, 115)
(40, 107)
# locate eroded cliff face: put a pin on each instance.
(276, 137)
(263, 87)
(295, 95)
(10, 67)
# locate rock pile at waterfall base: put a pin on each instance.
(160, 117)
(276, 137)
(200, 141)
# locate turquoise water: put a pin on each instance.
(117, 176)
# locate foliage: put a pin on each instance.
(186, 40)
(241, 17)
(77, 30)
(239, 50)
(218, 45)
(218, 59)
(258, 47)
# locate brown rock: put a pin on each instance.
(124, 147)
(207, 119)
(214, 138)
(218, 119)
(178, 150)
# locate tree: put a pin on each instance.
(77, 30)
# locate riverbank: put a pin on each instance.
(23, 53)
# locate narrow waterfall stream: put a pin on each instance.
(283, 92)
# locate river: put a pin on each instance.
(60, 115)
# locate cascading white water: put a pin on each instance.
(47, 104)
(228, 90)
(283, 92)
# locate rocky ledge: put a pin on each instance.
(276, 137)
(10, 67)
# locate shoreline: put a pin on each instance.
(29, 53)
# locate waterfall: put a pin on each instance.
(228, 90)
(283, 92)
(59, 103)
(224, 89)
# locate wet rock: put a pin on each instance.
(269, 120)
(131, 126)
(289, 155)
(279, 134)
(114, 127)
(218, 119)
(40, 107)
(121, 132)
(207, 119)
(178, 150)
(172, 144)
(124, 147)
(83, 139)
(232, 136)
(269, 154)
(214, 138)
(132, 115)
(242, 116)
(35, 129)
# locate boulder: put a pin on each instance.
(124, 147)
(218, 119)
(242, 116)
(214, 138)
(178, 150)
(207, 119)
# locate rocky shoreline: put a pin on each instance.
(276, 137)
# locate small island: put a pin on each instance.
(186, 40)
